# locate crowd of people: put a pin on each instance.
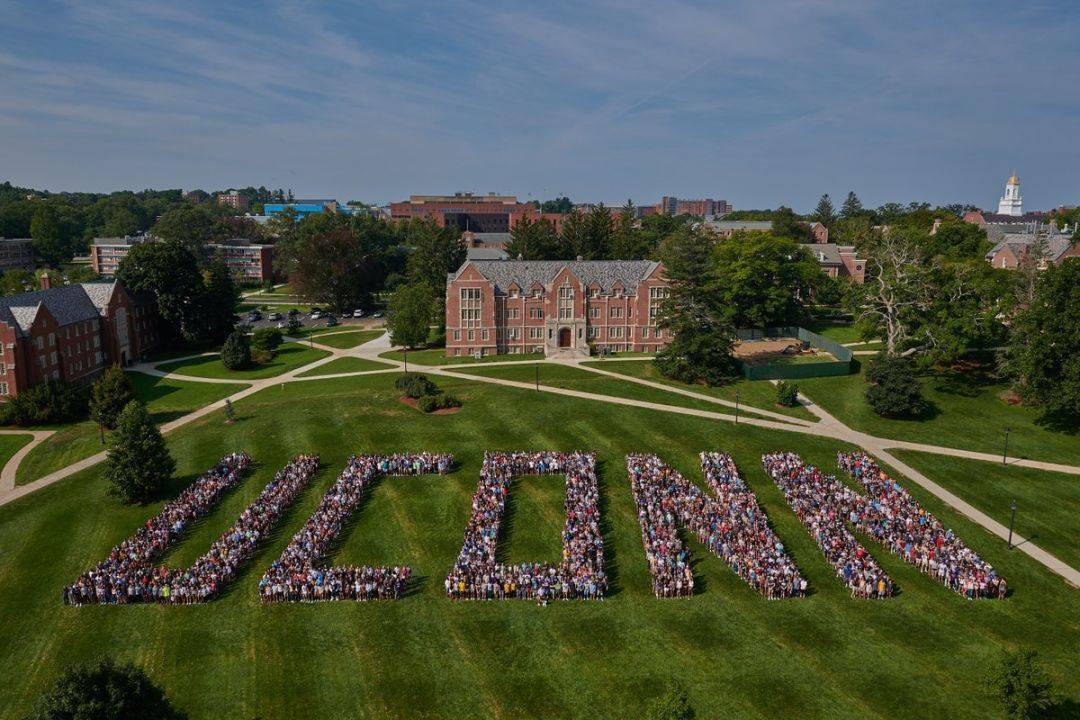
(729, 522)
(890, 515)
(297, 576)
(128, 574)
(477, 576)
(825, 505)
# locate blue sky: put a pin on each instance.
(762, 103)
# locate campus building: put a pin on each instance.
(557, 307)
(838, 260)
(16, 254)
(467, 212)
(234, 200)
(251, 264)
(72, 333)
(303, 208)
(706, 207)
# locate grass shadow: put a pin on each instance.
(611, 562)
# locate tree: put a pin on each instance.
(219, 301)
(170, 272)
(760, 279)
(674, 704)
(436, 252)
(109, 395)
(266, 339)
(627, 241)
(1021, 686)
(595, 242)
(534, 240)
(896, 290)
(825, 213)
(701, 335)
(236, 351)
(561, 205)
(852, 207)
(47, 403)
(573, 232)
(1044, 357)
(105, 691)
(190, 225)
(785, 223)
(333, 268)
(787, 394)
(957, 240)
(138, 465)
(45, 233)
(894, 390)
(409, 315)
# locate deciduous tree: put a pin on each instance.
(104, 691)
(409, 315)
(109, 395)
(138, 464)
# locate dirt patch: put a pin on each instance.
(1011, 398)
(759, 351)
(415, 405)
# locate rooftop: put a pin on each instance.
(526, 273)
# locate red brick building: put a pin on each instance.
(71, 333)
(250, 263)
(489, 213)
(234, 200)
(556, 307)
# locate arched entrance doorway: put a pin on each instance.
(564, 337)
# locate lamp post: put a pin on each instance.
(736, 407)
(1005, 451)
(538, 378)
(1012, 520)
(101, 429)
(405, 354)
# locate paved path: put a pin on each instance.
(11, 467)
(827, 426)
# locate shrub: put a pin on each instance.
(894, 390)
(236, 352)
(47, 403)
(266, 339)
(431, 403)
(1021, 686)
(415, 386)
(105, 690)
(787, 394)
(674, 704)
(109, 395)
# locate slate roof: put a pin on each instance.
(824, 253)
(68, 304)
(492, 238)
(604, 273)
(1056, 245)
(752, 225)
(486, 253)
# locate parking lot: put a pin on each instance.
(307, 322)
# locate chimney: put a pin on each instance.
(580, 259)
(46, 281)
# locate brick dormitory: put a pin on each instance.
(559, 308)
(72, 333)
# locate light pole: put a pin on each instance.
(736, 407)
(1012, 520)
(101, 429)
(537, 378)
(405, 354)
(1005, 451)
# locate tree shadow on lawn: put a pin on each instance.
(611, 563)
(1059, 422)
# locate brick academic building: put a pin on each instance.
(467, 212)
(557, 307)
(71, 333)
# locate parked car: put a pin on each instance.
(358, 313)
(254, 316)
(274, 316)
(331, 321)
(377, 314)
(315, 314)
(293, 312)
(283, 325)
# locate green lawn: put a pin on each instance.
(345, 340)
(754, 393)
(437, 356)
(801, 359)
(967, 414)
(1047, 503)
(345, 365)
(840, 332)
(571, 378)
(921, 654)
(11, 444)
(167, 399)
(289, 357)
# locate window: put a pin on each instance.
(594, 312)
(41, 361)
(470, 307)
(536, 333)
(39, 342)
(536, 313)
(644, 332)
(472, 335)
(616, 312)
(657, 295)
(615, 332)
(512, 314)
(591, 332)
(593, 292)
(97, 341)
(52, 339)
(3, 388)
(566, 302)
(457, 334)
(52, 358)
(3, 371)
(484, 335)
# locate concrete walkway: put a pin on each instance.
(826, 426)
(11, 467)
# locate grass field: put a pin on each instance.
(1047, 503)
(344, 365)
(437, 356)
(289, 357)
(166, 399)
(11, 444)
(921, 654)
(344, 340)
(967, 413)
(840, 332)
(754, 393)
(571, 378)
